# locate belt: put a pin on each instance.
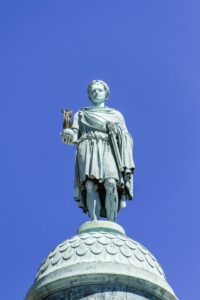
(92, 137)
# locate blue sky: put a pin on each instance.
(149, 54)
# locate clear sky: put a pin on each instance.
(149, 54)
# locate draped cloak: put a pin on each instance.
(95, 157)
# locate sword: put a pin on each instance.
(116, 153)
(119, 166)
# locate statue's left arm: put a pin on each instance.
(125, 142)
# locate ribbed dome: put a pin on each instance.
(101, 249)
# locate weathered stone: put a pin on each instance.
(99, 292)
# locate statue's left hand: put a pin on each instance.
(112, 127)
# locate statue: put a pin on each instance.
(104, 164)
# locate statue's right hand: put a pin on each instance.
(67, 136)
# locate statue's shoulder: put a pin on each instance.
(105, 110)
(79, 114)
(116, 112)
(83, 109)
(80, 111)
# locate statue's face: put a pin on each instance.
(97, 93)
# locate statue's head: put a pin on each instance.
(98, 91)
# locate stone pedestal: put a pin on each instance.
(100, 262)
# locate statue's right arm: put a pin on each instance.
(70, 135)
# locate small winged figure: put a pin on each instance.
(66, 118)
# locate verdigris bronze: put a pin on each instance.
(100, 262)
(104, 162)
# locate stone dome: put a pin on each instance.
(99, 253)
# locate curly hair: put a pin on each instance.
(104, 84)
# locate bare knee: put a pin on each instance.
(91, 187)
(110, 185)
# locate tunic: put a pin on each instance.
(95, 157)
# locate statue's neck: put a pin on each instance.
(99, 104)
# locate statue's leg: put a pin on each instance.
(93, 200)
(111, 201)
